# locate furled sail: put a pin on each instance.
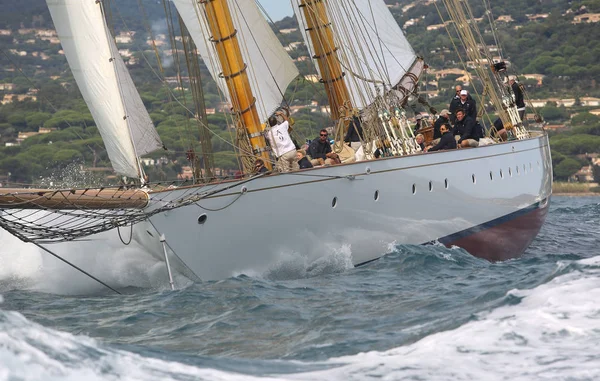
(105, 83)
(372, 48)
(270, 68)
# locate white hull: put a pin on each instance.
(259, 223)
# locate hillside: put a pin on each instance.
(44, 123)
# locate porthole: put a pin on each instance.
(491, 176)
(510, 172)
(446, 183)
(501, 174)
(473, 178)
(202, 219)
(414, 188)
(539, 166)
(524, 169)
(376, 196)
(517, 169)
(334, 202)
(430, 186)
(530, 167)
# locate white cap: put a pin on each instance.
(464, 92)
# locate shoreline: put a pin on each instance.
(575, 194)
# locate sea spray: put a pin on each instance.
(25, 266)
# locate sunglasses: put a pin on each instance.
(323, 134)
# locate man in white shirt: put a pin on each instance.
(281, 143)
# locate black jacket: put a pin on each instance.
(318, 150)
(519, 99)
(453, 107)
(467, 129)
(304, 163)
(355, 132)
(439, 123)
(447, 141)
(469, 107)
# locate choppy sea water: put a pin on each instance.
(420, 313)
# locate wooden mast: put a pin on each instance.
(224, 36)
(319, 28)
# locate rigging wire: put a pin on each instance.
(179, 102)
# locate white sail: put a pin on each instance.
(373, 50)
(270, 68)
(104, 82)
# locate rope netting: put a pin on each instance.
(52, 216)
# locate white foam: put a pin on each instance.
(293, 265)
(551, 334)
(29, 351)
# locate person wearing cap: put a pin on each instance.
(467, 104)
(419, 122)
(519, 98)
(455, 103)
(443, 119)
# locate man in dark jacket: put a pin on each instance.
(465, 127)
(454, 104)
(519, 98)
(447, 140)
(319, 150)
(467, 104)
(441, 120)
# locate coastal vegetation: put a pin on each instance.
(45, 124)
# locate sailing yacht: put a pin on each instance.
(491, 200)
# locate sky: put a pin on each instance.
(277, 9)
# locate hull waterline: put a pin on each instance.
(491, 201)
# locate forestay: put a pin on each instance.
(270, 68)
(373, 50)
(105, 83)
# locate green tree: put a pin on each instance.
(36, 120)
(566, 168)
(67, 156)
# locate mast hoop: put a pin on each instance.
(333, 80)
(326, 54)
(255, 134)
(249, 108)
(218, 41)
(227, 77)
(259, 150)
(322, 26)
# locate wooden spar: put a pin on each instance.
(224, 36)
(73, 199)
(321, 36)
